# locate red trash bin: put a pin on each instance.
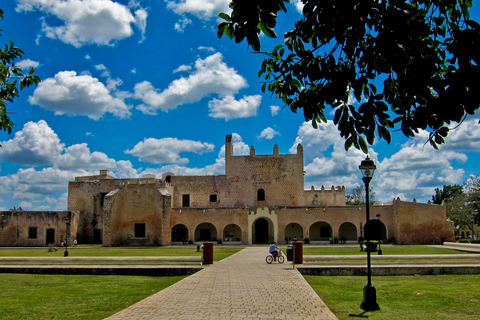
(208, 253)
(298, 252)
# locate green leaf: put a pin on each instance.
(363, 144)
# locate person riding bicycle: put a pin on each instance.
(273, 250)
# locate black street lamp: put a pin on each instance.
(67, 228)
(379, 240)
(369, 293)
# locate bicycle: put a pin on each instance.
(280, 257)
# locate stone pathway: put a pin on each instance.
(242, 286)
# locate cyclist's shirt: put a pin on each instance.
(272, 248)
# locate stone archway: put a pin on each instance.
(320, 231)
(179, 233)
(261, 231)
(231, 233)
(348, 231)
(205, 232)
(292, 231)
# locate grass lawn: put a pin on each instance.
(96, 251)
(445, 297)
(27, 296)
(386, 250)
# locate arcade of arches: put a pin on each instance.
(263, 232)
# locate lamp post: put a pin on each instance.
(369, 293)
(67, 227)
(379, 240)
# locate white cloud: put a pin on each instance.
(466, 137)
(182, 68)
(203, 9)
(182, 24)
(36, 144)
(208, 49)
(268, 133)
(298, 5)
(79, 156)
(240, 148)
(228, 108)
(85, 22)
(274, 110)
(29, 184)
(417, 169)
(210, 76)
(414, 171)
(27, 64)
(167, 150)
(68, 93)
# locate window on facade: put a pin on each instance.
(186, 200)
(213, 198)
(139, 230)
(32, 233)
(261, 195)
(102, 198)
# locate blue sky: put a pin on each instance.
(139, 86)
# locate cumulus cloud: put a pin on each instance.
(202, 9)
(72, 94)
(210, 76)
(27, 64)
(417, 169)
(87, 22)
(182, 24)
(414, 171)
(36, 144)
(228, 108)
(30, 183)
(274, 110)
(465, 137)
(268, 133)
(79, 156)
(167, 150)
(240, 148)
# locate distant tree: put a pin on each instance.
(462, 203)
(426, 53)
(474, 200)
(447, 193)
(357, 196)
(11, 78)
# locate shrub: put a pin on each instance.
(373, 246)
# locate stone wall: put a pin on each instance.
(419, 223)
(35, 228)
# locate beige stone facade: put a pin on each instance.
(260, 199)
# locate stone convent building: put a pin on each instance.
(260, 199)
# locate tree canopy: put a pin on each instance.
(11, 79)
(462, 205)
(357, 196)
(411, 65)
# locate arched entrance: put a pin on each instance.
(180, 233)
(50, 236)
(231, 233)
(292, 231)
(205, 232)
(348, 231)
(383, 232)
(321, 231)
(260, 231)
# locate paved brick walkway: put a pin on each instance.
(242, 286)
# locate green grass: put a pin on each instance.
(386, 250)
(445, 297)
(218, 253)
(26, 296)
